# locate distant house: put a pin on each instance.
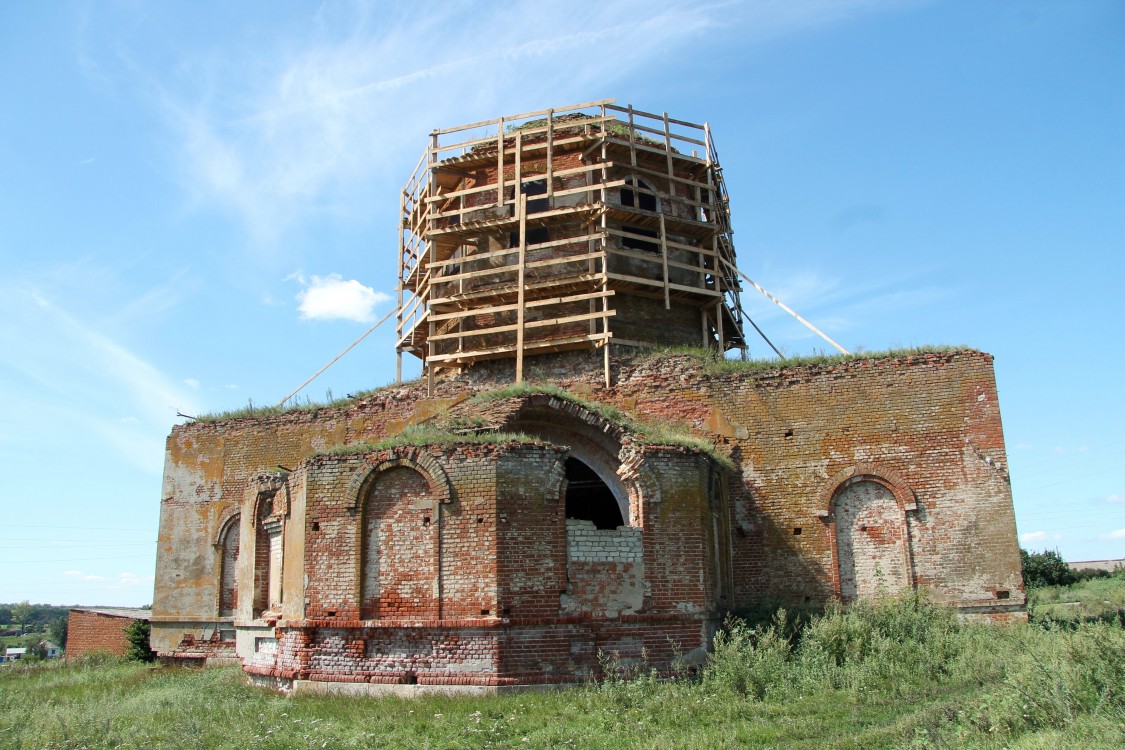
(13, 654)
(100, 629)
(50, 650)
(1107, 565)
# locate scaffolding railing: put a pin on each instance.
(518, 232)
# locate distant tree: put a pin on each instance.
(21, 613)
(1087, 574)
(57, 630)
(1046, 568)
(5, 615)
(137, 634)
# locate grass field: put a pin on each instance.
(900, 673)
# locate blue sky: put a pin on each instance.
(198, 205)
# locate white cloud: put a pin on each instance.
(332, 298)
(192, 383)
(133, 579)
(1033, 536)
(84, 576)
(1119, 534)
(1116, 498)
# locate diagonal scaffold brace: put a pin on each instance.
(786, 308)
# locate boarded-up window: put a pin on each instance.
(870, 541)
(399, 543)
(228, 568)
(268, 558)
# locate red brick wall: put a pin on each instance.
(89, 632)
(489, 579)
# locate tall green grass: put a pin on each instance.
(889, 674)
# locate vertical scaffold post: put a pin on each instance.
(401, 283)
(520, 295)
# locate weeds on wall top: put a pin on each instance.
(426, 434)
(304, 404)
(715, 364)
(644, 432)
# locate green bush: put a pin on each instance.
(1046, 568)
(1058, 676)
(749, 662)
(138, 634)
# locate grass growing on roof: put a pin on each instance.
(645, 432)
(429, 434)
(298, 404)
(713, 364)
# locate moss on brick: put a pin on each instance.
(713, 364)
(426, 434)
(250, 411)
(643, 432)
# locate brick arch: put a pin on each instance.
(870, 472)
(225, 518)
(398, 557)
(226, 562)
(367, 474)
(596, 441)
(570, 408)
(904, 498)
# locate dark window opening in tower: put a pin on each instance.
(535, 236)
(645, 201)
(637, 244)
(536, 187)
(588, 498)
(705, 199)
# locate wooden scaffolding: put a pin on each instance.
(565, 228)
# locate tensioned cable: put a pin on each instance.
(336, 359)
(787, 309)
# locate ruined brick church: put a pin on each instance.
(581, 470)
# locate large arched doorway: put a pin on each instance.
(589, 498)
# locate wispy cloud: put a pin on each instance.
(1119, 534)
(332, 298)
(831, 304)
(346, 95)
(124, 579)
(84, 576)
(1033, 537)
(65, 371)
(1116, 499)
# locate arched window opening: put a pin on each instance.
(536, 205)
(634, 243)
(588, 498)
(228, 568)
(646, 201)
